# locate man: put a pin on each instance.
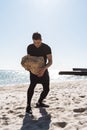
(39, 49)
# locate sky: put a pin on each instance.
(62, 24)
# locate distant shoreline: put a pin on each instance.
(17, 77)
(51, 83)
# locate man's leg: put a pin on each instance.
(45, 91)
(30, 93)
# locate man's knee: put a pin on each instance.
(31, 88)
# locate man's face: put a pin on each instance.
(37, 43)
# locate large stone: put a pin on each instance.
(33, 63)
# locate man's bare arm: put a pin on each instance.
(49, 57)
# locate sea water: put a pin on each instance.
(16, 77)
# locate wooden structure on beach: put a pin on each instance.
(76, 71)
(80, 69)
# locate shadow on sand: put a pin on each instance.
(41, 123)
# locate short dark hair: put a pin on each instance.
(36, 36)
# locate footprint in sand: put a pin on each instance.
(5, 123)
(1, 108)
(7, 103)
(4, 117)
(79, 110)
(19, 108)
(60, 124)
(21, 116)
(10, 111)
(82, 96)
(60, 109)
(6, 108)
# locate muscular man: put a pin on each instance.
(38, 48)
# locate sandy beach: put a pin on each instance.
(67, 111)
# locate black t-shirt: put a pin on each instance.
(43, 50)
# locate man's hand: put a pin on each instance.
(41, 72)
